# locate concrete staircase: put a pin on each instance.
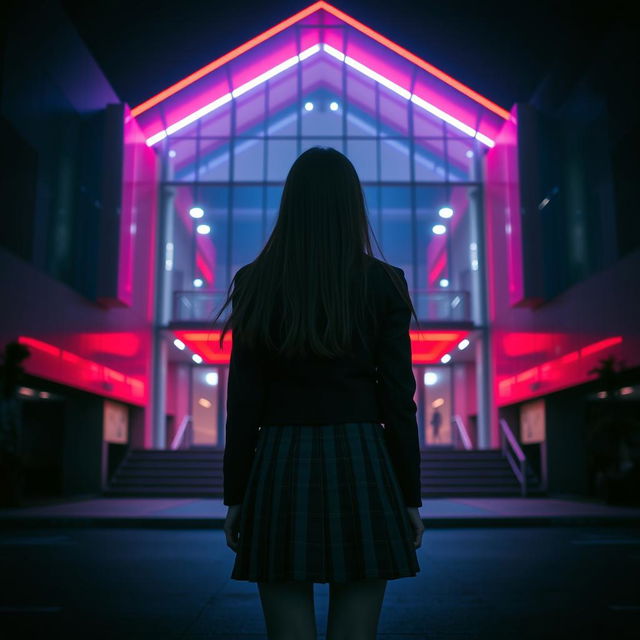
(448, 473)
(198, 473)
(183, 473)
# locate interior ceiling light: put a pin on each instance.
(338, 55)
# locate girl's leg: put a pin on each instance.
(354, 609)
(288, 609)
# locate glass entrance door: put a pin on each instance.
(437, 406)
(205, 407)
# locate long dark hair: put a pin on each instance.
(309, 283)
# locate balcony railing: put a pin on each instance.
(437, 305)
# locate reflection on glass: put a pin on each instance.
(247, 236)
(214, 161)
(394, 160)
(364, 156)
(217, 123)
(248, 160)
(250, 109)
(394, 113)
(461, 157)
(282, 154)
(430, 163)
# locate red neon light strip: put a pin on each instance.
(557, 363)
(234, 53)
(82, 373)
(316, 6)
(45, 347)
(437, 268)
(201, 263)
(423, 64)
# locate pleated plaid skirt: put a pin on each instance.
(323, 504)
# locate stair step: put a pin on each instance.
(136, 472)
(178, 466)
(459, 471)
(470, 482)
(174, 455)
(198, 473)
(186, 482)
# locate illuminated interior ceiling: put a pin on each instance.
(427, 347)
(339, 56)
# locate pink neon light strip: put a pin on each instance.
(321, 5)
(80, 372)
(338, 55)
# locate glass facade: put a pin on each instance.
(232, 165)
(223, 176)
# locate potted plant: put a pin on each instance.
(613, 440)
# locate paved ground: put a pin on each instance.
(210, 513)
(500, 583)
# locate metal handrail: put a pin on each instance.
(462, 430)
(520, 467)
(178, 438)
(417, 290)
(431, 305)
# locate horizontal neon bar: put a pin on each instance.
(338, 55)
(396, 48)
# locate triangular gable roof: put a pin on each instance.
(312, 32)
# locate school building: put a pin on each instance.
(123, 225)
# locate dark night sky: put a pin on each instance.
(501, 49)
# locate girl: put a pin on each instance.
(318, 489)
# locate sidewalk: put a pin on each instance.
(203, 513)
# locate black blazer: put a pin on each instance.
(375, 385)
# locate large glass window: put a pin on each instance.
(417, 172)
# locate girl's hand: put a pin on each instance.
(232, 525)
(416, 524)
